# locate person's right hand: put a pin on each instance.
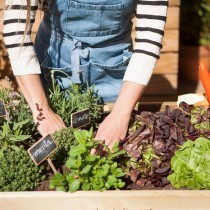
(48, 122)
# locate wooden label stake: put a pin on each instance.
(51, 165)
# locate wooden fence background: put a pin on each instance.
(164, 82)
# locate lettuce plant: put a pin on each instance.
(152, 145)
(191, 165)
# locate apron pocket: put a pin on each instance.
(108, 80)
(85, 19)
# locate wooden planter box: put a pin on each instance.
(108, 200)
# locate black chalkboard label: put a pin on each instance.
(2, 109)
(42, 149)
(81, 118)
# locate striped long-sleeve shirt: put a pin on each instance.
(150, 24)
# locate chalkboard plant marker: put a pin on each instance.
(81, 118)
(2, 108)
(42, 149)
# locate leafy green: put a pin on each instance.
(191, 165)
(89, 171)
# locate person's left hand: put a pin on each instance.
(112, 129)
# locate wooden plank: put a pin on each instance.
(168, 64)
(162, 85)
(157, 99)
(108, 200)
(172, 104)
(171, 41)
(1, 5)
(174, 2)
(173, 18)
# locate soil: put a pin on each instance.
(44, 186)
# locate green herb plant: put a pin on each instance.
(65, 138)
(18, 172)
(86, 171)
(75, 98)
(191, 165)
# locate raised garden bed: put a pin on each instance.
(153, 140)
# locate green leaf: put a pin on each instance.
(79, 135)
(74, 186)
(77, 150)
(86, 169)
(86, 186)
(72, 163)
(20, 124)
(91, 158)
(121, 152)
(16, 148)
(111, 180)
(19, 138)
(90, 133)
(121, 184)
(57, 181)
(69, 178)
(115, 147)
(113, 167)
(1, 154)
(103, 172)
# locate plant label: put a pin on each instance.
(2, 109)
(42, 149)
(81, 118)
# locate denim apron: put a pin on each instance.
(86, 41)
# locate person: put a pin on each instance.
(89, 41)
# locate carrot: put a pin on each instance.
(205, 79)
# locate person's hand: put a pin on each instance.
(112, 129)
(48, 122)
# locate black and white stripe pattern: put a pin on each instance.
(150, 23)
(15, 22)
(21, 52)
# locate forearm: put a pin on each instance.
(129, 95)
(31, 88)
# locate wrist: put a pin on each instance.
(118, 109)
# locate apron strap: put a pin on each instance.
(78, 51)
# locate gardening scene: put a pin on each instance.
(104, 105)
